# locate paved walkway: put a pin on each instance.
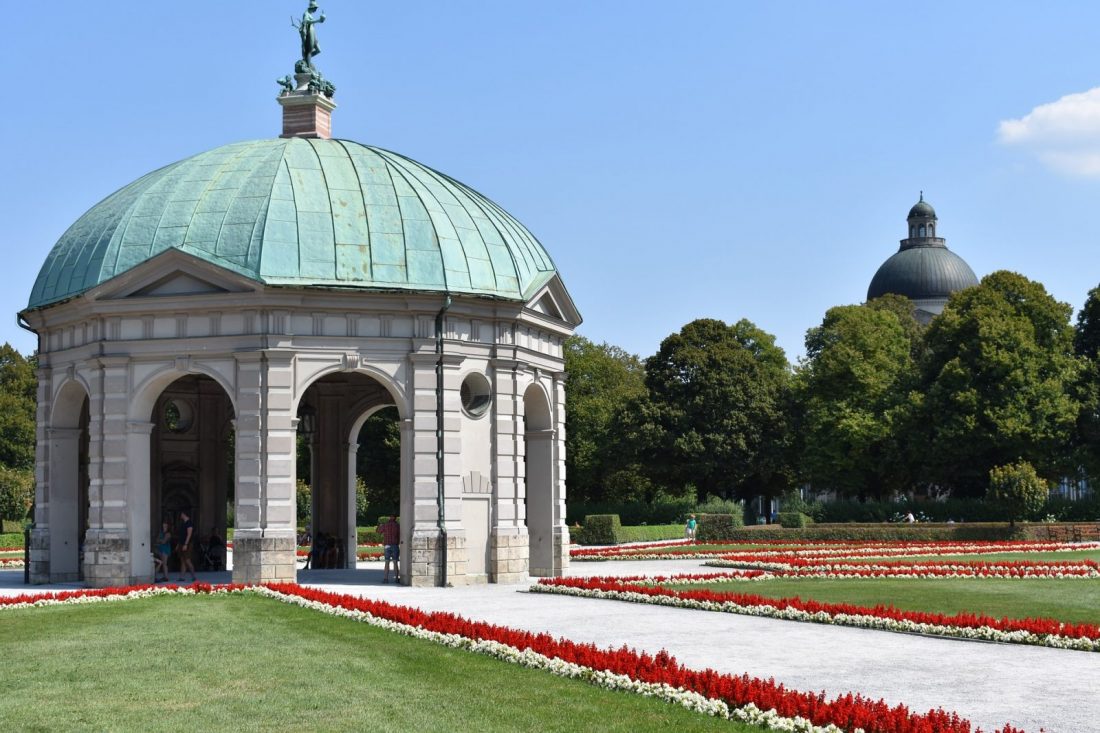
(991, 684)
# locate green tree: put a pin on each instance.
(1086, 341)
(1017, 488)
(998, 383)
(849, 389)
(16, 493)
(600, 381)
(378, 461)
(716, 416)
(18, 387)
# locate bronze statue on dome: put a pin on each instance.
(308, 34)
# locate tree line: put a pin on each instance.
(880, 404)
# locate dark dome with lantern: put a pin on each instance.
(923, 269)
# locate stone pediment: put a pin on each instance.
(173, 273)
(553, 301)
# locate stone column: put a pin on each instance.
(63, 530)
(264, 542)
(508, 543)
(139, 500)
(107, 543)
(351, 528)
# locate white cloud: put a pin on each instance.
(1064, 135)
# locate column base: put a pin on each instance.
(424, 569)
(265, 556)
(40, 556)
(107, 559)
(509, 553)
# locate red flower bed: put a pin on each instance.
(849, 711)
(964, 620)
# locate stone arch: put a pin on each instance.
(338, 417)
(540, 496)
(172, 469)
(63, 500)
(147, 392)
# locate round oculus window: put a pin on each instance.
(476, 394)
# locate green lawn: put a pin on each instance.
(251, 663)
(1076, 601)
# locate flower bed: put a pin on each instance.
(762, 702)
(1020, 569)
(1035, 631)
(819, 550)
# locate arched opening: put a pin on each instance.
(922, 230)
(539, 480)
(191, 470)
(349, 463)
(67, 502)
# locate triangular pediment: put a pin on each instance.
(553, 301)
(180, 283)
(173, 273)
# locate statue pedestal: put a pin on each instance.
(306, 114)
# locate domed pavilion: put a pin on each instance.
(200, 324)
(923, 269)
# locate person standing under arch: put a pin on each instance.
(391, 542)
(187, 532)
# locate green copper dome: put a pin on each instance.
(304, 213)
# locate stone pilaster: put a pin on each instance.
(561, 528)
(426, 556)
(108, 540)
(509, 543)
(264, 542)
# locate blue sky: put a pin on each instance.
(679, 160)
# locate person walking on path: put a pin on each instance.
(689, 528)
(391, 541)
(187, 531)
(163, 551)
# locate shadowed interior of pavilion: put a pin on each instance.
(193, 457)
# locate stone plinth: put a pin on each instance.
(509, 551)
(107, 559)
(40, 556)
(264, 556)
(426, 560)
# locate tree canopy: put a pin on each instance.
(997, 383)
(601, 381)
(849, 388)
(18, 387)
(717, 410)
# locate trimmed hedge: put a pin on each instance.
(632, 513)
(651, 533)
(718, 527)
(602, 529)
(902, 532)
(794, 519)
(368, 536)
(11, 539)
